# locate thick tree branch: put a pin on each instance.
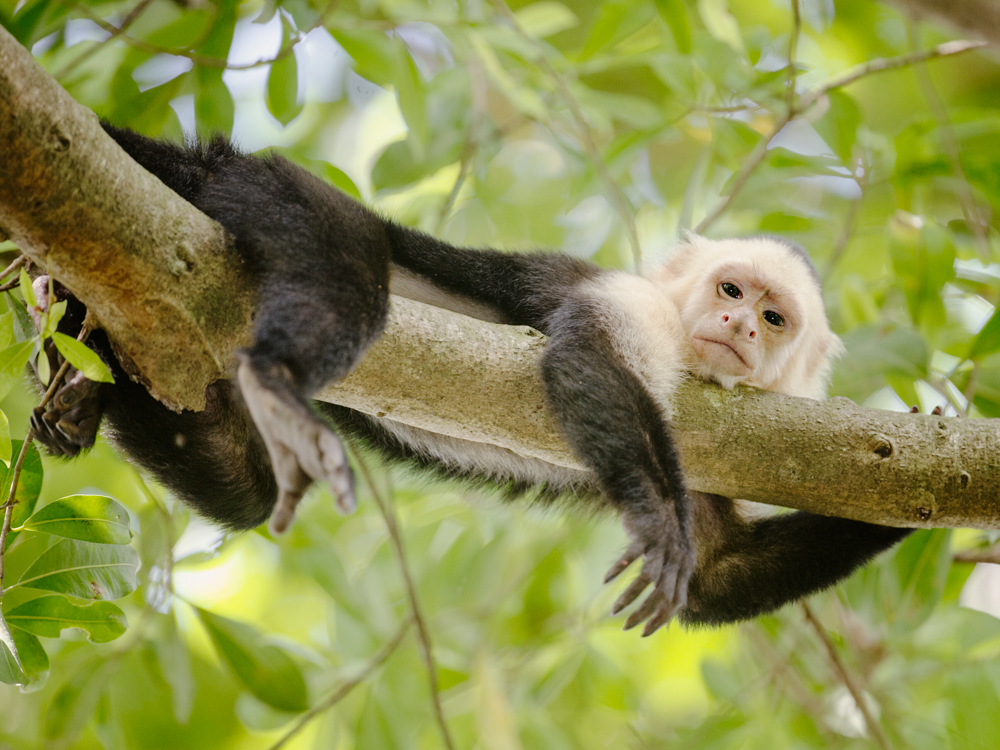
(158, 276)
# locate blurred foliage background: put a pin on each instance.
(605, 129)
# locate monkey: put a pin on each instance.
(745, 311)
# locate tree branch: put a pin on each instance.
(160, 279)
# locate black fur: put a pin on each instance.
(322, 264)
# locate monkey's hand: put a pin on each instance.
(69, 422)
(302, 448)
(663, 542)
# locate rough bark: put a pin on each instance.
(155, 272)
(171, 295)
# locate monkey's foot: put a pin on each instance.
(68, 424)
(302, 448)
(668, 560)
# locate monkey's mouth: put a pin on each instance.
(727, 346)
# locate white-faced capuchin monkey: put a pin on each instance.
(732, 311)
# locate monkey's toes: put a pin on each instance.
(68, 424)
(302, 448)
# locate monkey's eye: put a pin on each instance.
(773, 318)
(731, 289)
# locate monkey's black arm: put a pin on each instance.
(750, 568)
(525, 288)
(619, 431)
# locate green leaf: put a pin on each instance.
(52, 317)
(27, 291)
(24, 326)
(5, 445)
(839, 126)
(90, 518)
(10, 668)
(546, 18)
(48, 615)
(73, 705)
(721, 23)
(87, 571)
(12, 362)
(674, 12)
(29, 485)
(83, 358)
(42, 366)
(34, 660)
(988, 340)
(266, 670)
(6, 328)
(283, 83)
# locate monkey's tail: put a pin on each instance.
(756, 567)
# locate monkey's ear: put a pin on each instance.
(682, 256)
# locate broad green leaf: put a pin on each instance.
(83, 358)
(29, 485)
(27, 291)
(34, 660)
(721, 23)
(6, 329)
(839, 126)
(48, 615)
(10, 668)
(90, 518)
(674, 12)
(24, 326)
(267, 671)
(84, 570)
(52, 317)
(922, 563)
(546, 18)
(12, 362)
(213, 104)
(42, 367)
(283, 83)
(74, 703)
(988, 340)
(5, 445)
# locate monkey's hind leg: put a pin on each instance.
(302, 448)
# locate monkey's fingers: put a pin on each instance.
(652, 604)
(633, 553)
(632, 593)
(663, 615)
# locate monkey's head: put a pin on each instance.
(753, 309)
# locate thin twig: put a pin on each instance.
(423, 632)
(988, 555)
(86, 54)
(346, 687)
(846, 234)
(750, 164)
(16, 475)
(947, 49)
(204, 61)
(480, 106)
(15, 266)
(949, 143)
(874, 728)
(618, 198)
(793, 45)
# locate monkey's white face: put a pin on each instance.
(753, 313)
(737, 319)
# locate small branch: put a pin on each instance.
(874, 728)
(89, 52)
(423, 632)
(480, 106)
(16, 475)
(949, 143)
(793, 45)
(947, 49)
(846, 234)
(342, 691)
(750, 165)
(13, 267)
(618, 198)
(988, 555)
